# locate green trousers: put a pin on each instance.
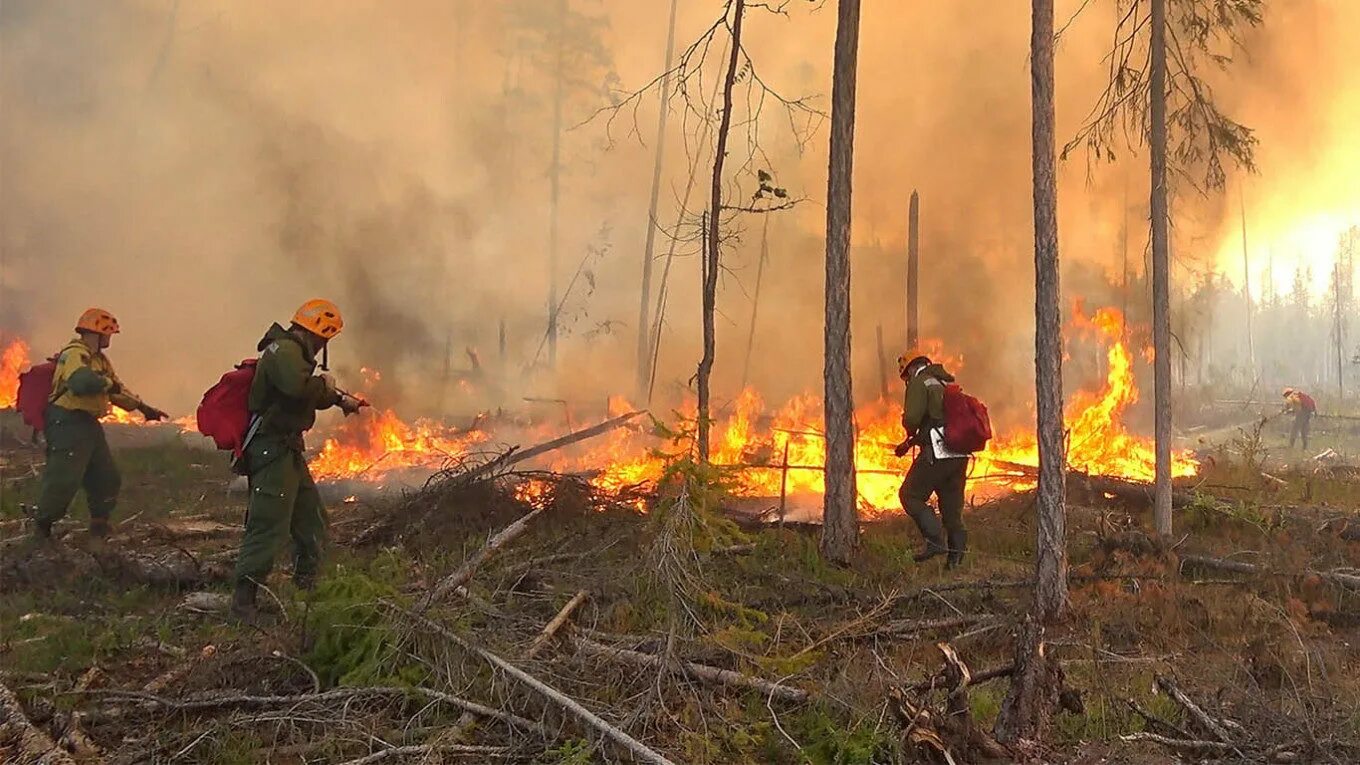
(78, 457)
(284, 503)
(945, 479)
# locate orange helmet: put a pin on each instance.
(99, 321)
(1288, 392)
(320, 317)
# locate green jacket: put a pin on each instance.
(924, 405)
(285, 393)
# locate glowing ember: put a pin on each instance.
(117, 416)
(372, 444)
(13, 361)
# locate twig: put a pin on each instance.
(1181, 744)
(694, 670)
(556, 624)
(557, 697)
(1210, 725)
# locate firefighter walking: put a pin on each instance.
(84, 387)
(935, 470)
(284, 503)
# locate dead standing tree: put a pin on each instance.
(1155, 88)
(717, 221)
(840, 520)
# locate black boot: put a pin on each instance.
(100, 527)
(243, 602)
(42, 530)
(954, 560)
(304, 582)
(933, 550)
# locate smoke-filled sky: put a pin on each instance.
(199, 167)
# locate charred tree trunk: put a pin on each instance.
(1051, 548)
(840, 521)
(555, 182)
(913, 273)
(644, 354)
(1161, 275)
(755, 301)
(1036, 684)
(711, 226)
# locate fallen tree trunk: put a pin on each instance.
(31, 744)
(517, 455)
(464, 573)
(427, 750)
(640, 750)
(1343, 579)
(694, 670)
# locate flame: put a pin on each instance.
(13, 360)
(372, 444)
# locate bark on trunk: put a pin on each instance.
(913, 273)
(755, 301)
(713, 241)
(1051, 550)
(840, 521)
(1161, 275)
(555, 183)
(644, 354)
(1036, 683)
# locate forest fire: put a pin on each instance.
(13, 361)
(370, 446)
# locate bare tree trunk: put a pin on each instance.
(1340, 339)
(755, 301)
(1050, 591)
(644, 354)
(882, 364)
(1161, 276)
(1246, 292)
(555, 182)
(913, 273)
(840, 520)
(713, 243)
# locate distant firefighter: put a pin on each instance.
(1303, 407)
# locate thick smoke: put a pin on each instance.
(201, 166)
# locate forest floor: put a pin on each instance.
(113, 649)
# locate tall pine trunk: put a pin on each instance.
(913, 273)
(644, 353)
(840, 521)
(712, 241)
(755, 302)
(555, 182)
(1161, 277)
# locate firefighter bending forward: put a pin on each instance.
(84, 387)
(935, 470)
(284, 503)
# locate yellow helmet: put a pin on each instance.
(99, 321)
(320, 317)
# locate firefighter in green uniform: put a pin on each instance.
(84, 386)
(935, 470)
(284, 502)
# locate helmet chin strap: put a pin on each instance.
(326, 357)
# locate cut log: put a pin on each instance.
(694, 670)
(30, 744)
(639, 750)
(556, 624)
(465, 572)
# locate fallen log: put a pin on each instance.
(694, 670)
(640, 750)
(338, 694)
(1343, 579)
(464, 573)
(32, 745)
(1183, 746)
(556, 624)
(516, 455)
(427, 750)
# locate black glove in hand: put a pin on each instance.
(114, 388)
(903, 448)
(152, 414)
(349, 404)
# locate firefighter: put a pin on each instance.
(84, 387)
(935, 470)
(1302, 406)
(284, 503)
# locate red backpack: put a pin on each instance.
(224, 413)
(35, 393)
(967, 428)
(1309, 405)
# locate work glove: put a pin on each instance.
(350, 404)
(151, 413)
(902, 448)
(328, 380)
